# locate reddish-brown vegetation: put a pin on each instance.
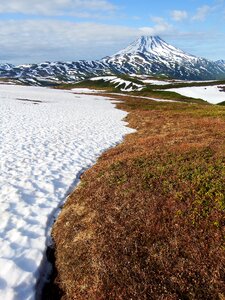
(147, 221)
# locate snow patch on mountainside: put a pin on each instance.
(221, 62)
(155, 82)
(123, 85)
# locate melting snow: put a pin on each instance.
(118, 82)
(47, 138)
(159, 82)
(212, 94)
(86, 91)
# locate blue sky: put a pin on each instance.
(51, 30)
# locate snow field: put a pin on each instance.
(43, 148)
(212, 94)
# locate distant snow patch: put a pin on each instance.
(86, 91)
(212, 94)
(118, 82)
(156, 82)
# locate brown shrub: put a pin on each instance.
(147, 221)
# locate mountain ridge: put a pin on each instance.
(148, 55)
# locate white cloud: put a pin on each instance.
(179, 15)
(41, 40)
(202, 13)
(161, 27)
(55, 7)
(29, 41)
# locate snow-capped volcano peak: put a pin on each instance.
(148, 55)
(153, 45)
(143, 44)
(152, 55)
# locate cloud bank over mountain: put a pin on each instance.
(64, 29)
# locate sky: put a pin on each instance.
(33, 31)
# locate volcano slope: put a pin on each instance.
(147, 221)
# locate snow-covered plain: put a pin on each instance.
(47, 137)
(212, 94)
